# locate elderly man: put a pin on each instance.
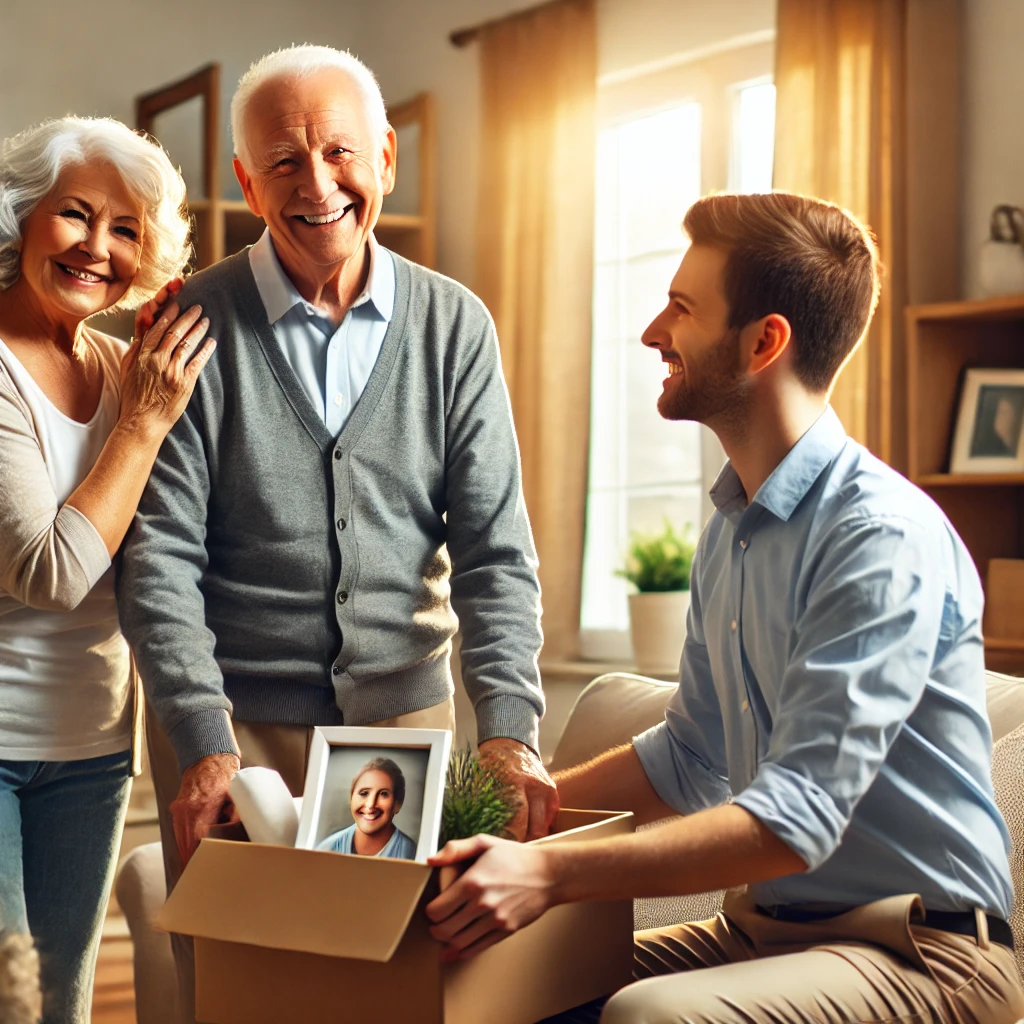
(346, 475)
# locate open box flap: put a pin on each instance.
(307, 901)
(576, 826)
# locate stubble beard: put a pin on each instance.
(712, 392)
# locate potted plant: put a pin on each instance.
(658, 565)
(477, 800)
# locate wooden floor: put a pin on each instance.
(114, 993)
(114, 997)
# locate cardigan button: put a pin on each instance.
(337, 454)
(342, 596)
(342, 524)
(336, 670)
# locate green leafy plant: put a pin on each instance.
(476, 799)
(661, 562)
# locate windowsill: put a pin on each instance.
(565, 671)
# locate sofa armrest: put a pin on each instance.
(608, 713)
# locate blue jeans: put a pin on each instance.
(60, 830)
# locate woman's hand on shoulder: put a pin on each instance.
(157, 375)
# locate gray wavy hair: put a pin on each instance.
(298, 62)
(32, 161)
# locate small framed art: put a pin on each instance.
(989, 433)
(375, 792)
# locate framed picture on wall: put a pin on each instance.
(989, 434)
(375, 792)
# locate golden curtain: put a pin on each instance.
(860, 121)
(535, 271)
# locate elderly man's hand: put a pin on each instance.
(203, 801)
(521, 767)
(508, 887)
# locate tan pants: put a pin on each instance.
(282, 747)
(871, 964)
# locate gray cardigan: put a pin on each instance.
(278, 574)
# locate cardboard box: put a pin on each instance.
(284, 935)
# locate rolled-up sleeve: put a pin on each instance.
(684, 756)
(863, 648)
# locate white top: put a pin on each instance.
(64, 666)
(333, 365)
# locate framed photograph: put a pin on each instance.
(989, 435)
(375, 792)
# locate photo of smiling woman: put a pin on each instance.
(377, 795)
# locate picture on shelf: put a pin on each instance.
(375, 792)
(989, 434)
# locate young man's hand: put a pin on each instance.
(508, 887)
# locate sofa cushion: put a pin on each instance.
(1005, 698)
(1008, 783)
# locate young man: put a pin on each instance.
(828, 744)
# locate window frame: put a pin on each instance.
(714, 80)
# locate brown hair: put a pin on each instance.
(807, 260)
(389, 768)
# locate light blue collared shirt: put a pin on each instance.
(399, 845)
(833, 683)
(333, 366)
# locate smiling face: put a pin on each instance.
(82, 244)
(701, 352)
(373, 803)
(316, 169)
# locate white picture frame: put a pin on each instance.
(989, 432)
(338, 754)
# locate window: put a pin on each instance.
(651, 166)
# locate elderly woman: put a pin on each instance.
(91, 219)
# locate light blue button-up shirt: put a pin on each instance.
(333, 365)
(832, 683)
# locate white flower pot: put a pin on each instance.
(657, 625)
(1001, 268)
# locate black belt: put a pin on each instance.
(963, 922)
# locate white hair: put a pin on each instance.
(299, 62)
(32, 161)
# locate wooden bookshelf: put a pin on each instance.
(987, 510)
(223, 226)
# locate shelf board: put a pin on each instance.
(400, 221)
(1004, 645)
(1003, 307)
(968, 479)
(226, 205)
(387, 221)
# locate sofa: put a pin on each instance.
(609, 712)
(616, 707)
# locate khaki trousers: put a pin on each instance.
(282, 747)
(872, 964)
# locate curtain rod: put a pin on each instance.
(464, 36)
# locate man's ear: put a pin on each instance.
(389, 160)
(247, 190)
(767, 339)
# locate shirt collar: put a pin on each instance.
(792, 478)
(279, 295)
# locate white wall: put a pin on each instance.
(993, 137)
(58, 57)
